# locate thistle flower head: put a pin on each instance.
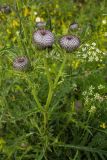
(69, 42)
(40, 25)
(43, 38)
(20, 63)
(73, 26)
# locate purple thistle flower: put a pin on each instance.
(43, 38)
(69, 42)
(21, 63)
(73, 26)
(40, 25)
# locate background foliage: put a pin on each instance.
(57, 109)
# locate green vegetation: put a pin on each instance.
(56, 108)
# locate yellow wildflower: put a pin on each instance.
(103, 125)
(26, 12)
(75, 64)
(15, 23)
(14, 39)
(64, 28)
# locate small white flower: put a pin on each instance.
(91, 59)
(92, 48)
(85, 56)
(38, 19)
(89, 53)
(92, 109)
(91, 88)
(87, 45)
(97, 96)
(84, 93)
(97, 59)
(98, 51)
(35, 13)
(93, 44)
(87, 100)
(100, 87)
(84, 49)
(94, 54)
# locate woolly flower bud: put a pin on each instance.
(40, 25)
(21, 63)
(73, 26)
(69, 42)
(43, 38)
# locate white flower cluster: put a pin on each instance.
(92, 109)
(90, 96)
(90, 53)
(101, 87)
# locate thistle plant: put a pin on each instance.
(43, 38)
(54, 111)
(21, 63)
(69, 43)
(73, 26)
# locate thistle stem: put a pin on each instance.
(52, 87)
(60, 71)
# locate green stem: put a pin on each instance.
(36, 99)
(76, 155)
(48, 74)
(51, 87)
(49, 94)
(60, 71)
(45, 121)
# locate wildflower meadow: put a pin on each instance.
(53, 80)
